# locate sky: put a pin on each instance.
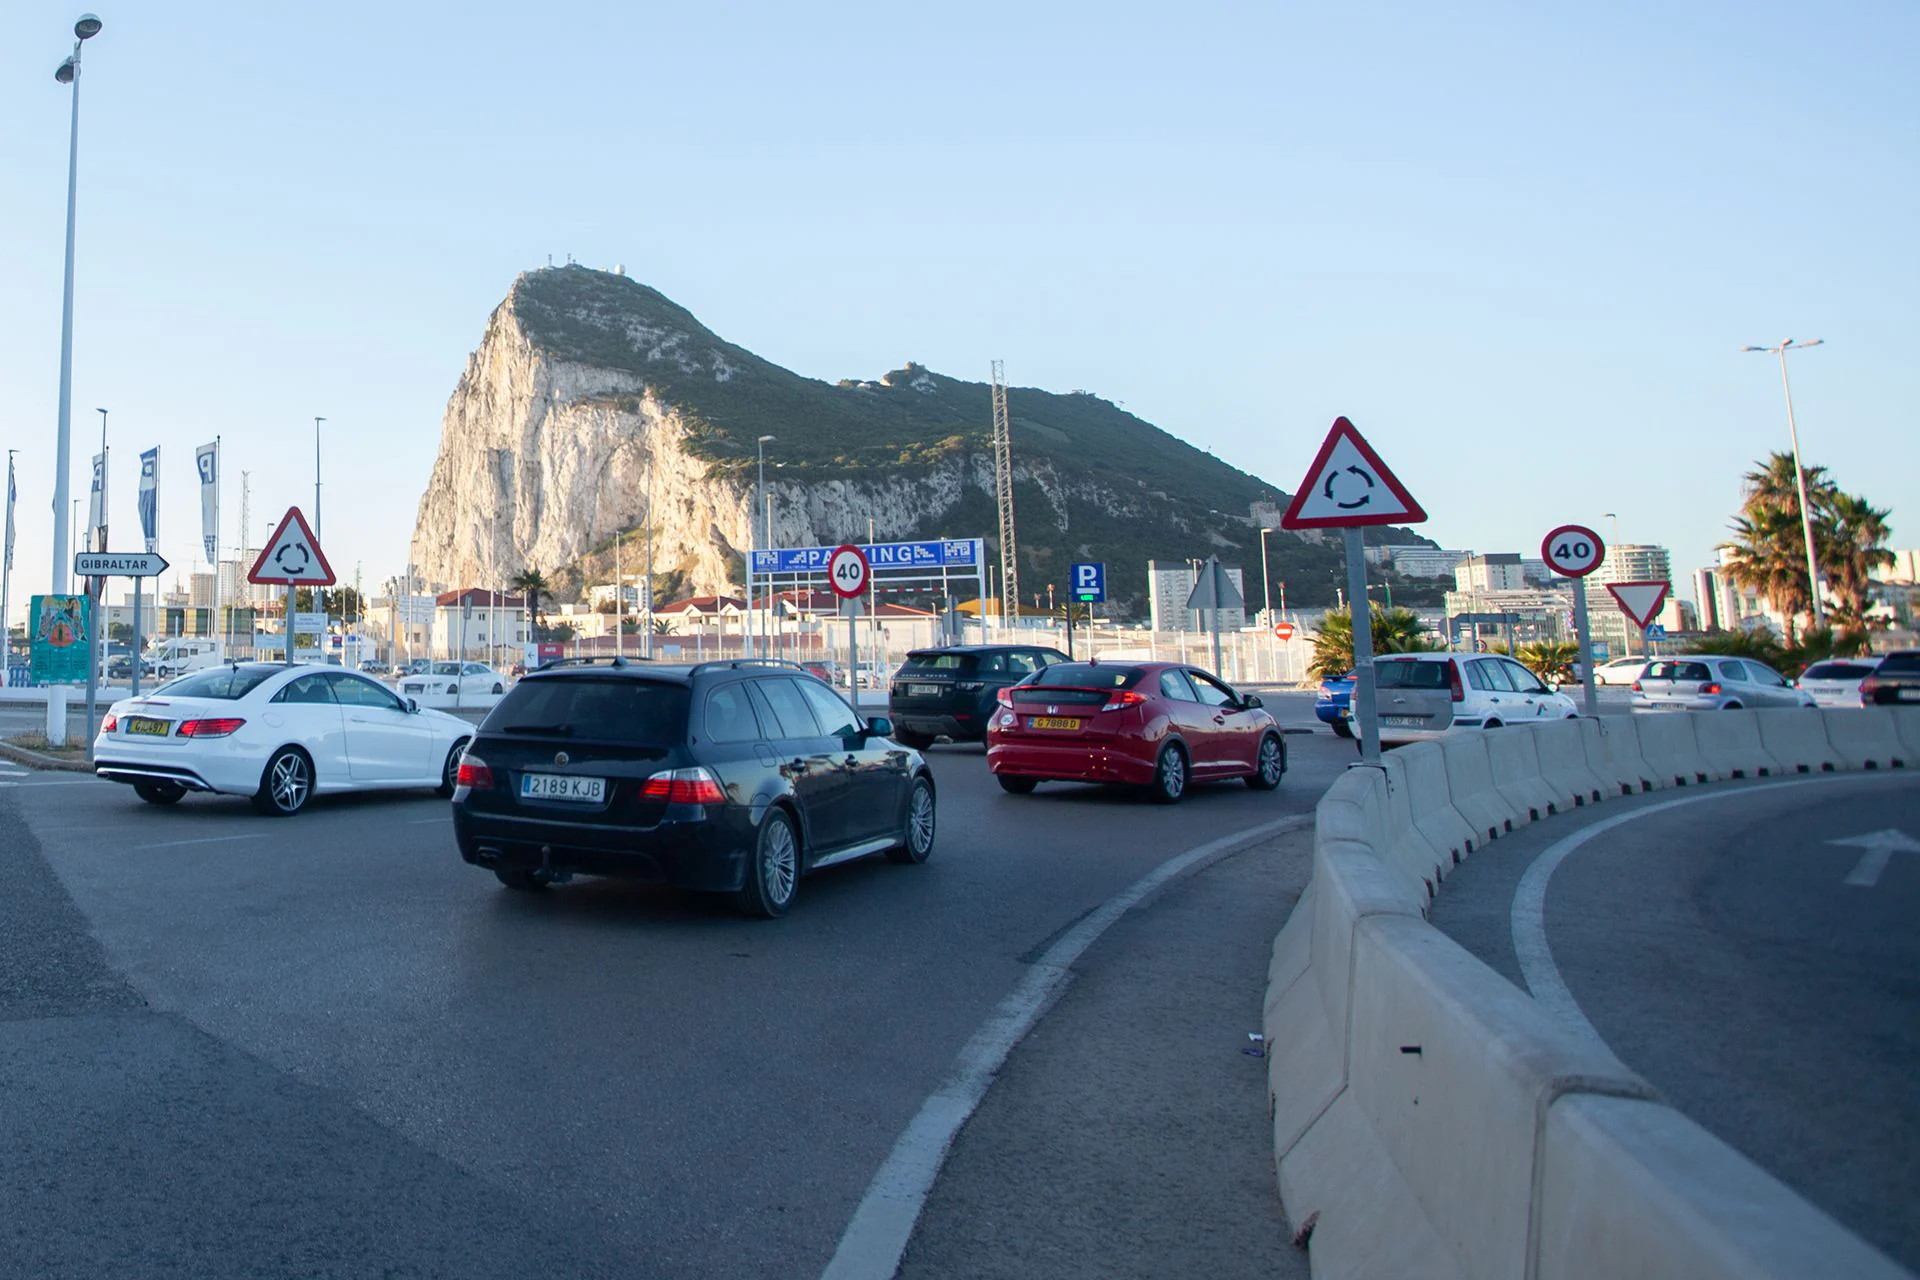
(1519, 245)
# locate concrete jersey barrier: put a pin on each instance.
(1429, 1119)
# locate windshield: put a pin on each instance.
(220, 682)
(1087, 675)
(937, 662)
(1900, 664)
(1407, 674)
(640, 712)
(1677, 671)
(446, 668)
(1838, 671)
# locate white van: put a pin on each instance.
(180, 654)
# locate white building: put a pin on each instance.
(480, 625)
(1494, 571)
(1635, 562)
(1168, 586)
(1416, 562)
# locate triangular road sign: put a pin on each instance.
(1349, 485)
(1203, 595)
(1640, 601)
(292, 555)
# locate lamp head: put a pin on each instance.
(64, 72)
(88, 27)
(764, 439)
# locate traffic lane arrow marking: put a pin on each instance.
(1880, 847)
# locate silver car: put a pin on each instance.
(1709, 682)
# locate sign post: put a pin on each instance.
(100, 565)
(848, 574)
(1348, 488)
(1089, 588)
(1575, 551)
(293, 556)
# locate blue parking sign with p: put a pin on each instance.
(1090, 583)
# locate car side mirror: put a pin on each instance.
(879, 727)
(413, 707)
(1252, 702)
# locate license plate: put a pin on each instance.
(1052, 722)
(1403, 722)
(149, 728)
(923, 691)
(1908, 695)
(560, 786)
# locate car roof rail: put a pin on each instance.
(781, 664)
(616, 660)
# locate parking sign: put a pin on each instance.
(1090, 583)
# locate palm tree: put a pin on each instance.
(1394, 631)
(1769, 556)
(534, 583)
(1771, 487)
(1853, 545)
(1551, 660)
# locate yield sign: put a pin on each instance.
(292, 555)
(1640, 600)
(1349, 485)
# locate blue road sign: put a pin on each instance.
(1090, 583)
(1656, 632)
(945, 553)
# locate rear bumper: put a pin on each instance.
(708, 852)
(963, 724)
(1075, 762)
(204, 766)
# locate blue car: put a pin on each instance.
(1336, 692)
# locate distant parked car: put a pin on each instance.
(1895, 680)
(1836, 682)
(1421, 696)
(1336, 696)
(1709, 682)
(451, 679)
(1619, 671)
(374, 667)
(949, 692)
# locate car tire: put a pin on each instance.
(909, 738)
(522, 880)
(916, 840)
(1015, 785)
(1341, 729)
(773, 868)
(1270, 765)
(1731, 706)
(162, 793)
(286, 784)
(450, 770)
(498, 688)
(1492, 724)
(1169, 775)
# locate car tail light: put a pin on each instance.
(683, 786)
(1125, 698)
(1636, 686)
(1709, 687)
(1454, 689)
(1868, 685)
(971, 686)
(474, 773)
(110, 724)
(1004, 697)
(220, 728)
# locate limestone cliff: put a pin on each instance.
(593, 398)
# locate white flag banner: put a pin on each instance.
(150, 497)
(206, 460)
(97, 501)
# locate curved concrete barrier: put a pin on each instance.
(1797, 738)
(1906, 721)
(1730, 744)
(1513, 755)
(1430, 1120)
(1865, 739)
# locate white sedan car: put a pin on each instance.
(1619, 671)
(277, 734)
(454, 679)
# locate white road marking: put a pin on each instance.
(877, 1234)
(1528, 918)
(1880, 847)
(175, 844)
(421, 822)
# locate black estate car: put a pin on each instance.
(733, 776)
(1895, 680)
(950, 692)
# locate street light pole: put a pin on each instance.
(759, 498)
(316, 476)
(68, 73)
(1799, 476)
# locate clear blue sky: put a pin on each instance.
(1518, 245)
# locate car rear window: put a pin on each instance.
(220, 682)
(639, 712)
(937, 662)
(1676, 671)
(1405, 674)
(1837, 671)
(1087, 675)
(1900, 664)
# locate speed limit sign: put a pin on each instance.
(1573, 551)
(847, 571)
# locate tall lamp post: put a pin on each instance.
(1799, 476)
(68, 73)
(316, 476)
(759, 501)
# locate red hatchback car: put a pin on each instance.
(1158, 725)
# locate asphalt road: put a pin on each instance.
(324, 1046)
(1735, 956)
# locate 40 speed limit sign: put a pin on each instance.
(1573, 550)
(847, 571)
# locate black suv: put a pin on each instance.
(951, 691)
(736, 777)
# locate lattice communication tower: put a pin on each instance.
(1003, 493)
